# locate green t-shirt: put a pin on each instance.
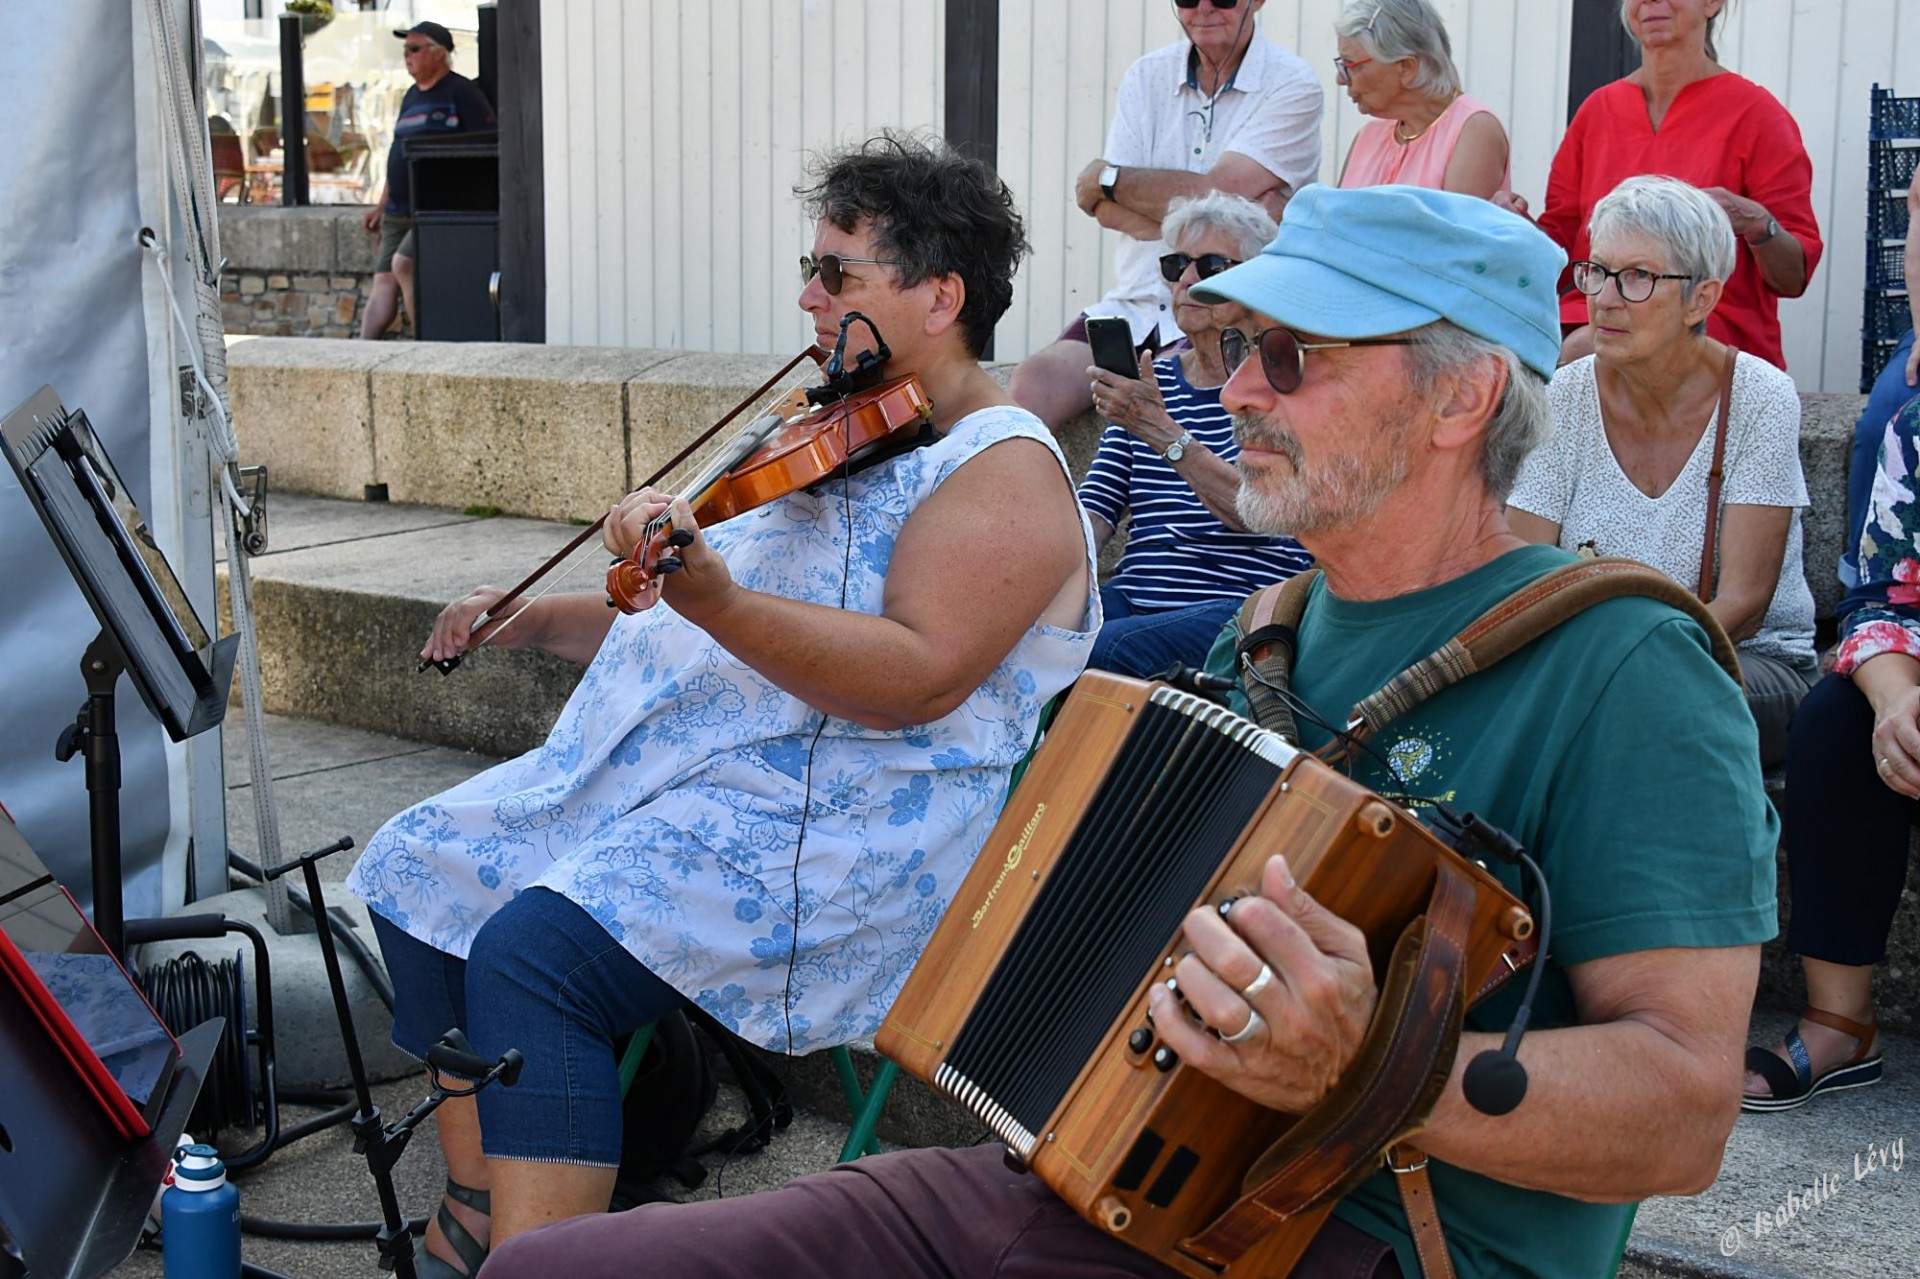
(1626, 762)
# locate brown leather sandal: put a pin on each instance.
(1792, 1080)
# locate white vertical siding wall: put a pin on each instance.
(674, 136)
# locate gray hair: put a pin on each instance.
(1522, 419)
(1250, 226)
(1682, 217)
(1396, 29)
(1713, 54)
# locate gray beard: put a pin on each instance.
(1341, 491)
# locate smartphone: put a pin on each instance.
(1111, 338)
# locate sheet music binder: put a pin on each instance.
(182, 674)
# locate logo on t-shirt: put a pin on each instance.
(1417, 758)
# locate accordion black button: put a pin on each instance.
(1140, 1040)
(1164, 1058)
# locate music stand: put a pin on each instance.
(148, 628)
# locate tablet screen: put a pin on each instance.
(56, 948)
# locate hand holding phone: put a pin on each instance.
(1111, 338)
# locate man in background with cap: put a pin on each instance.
(1385, 392)
(440, 101)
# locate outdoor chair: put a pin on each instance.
(229, 167)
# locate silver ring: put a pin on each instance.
(1884, 763)
(1254, 1022)
(1258, 984)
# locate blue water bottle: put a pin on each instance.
(200, 1218)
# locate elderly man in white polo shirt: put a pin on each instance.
(1222, 110)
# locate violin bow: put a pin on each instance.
(447, 666)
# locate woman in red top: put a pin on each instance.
(1684, 115)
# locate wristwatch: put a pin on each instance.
(1773, 229)
(1178, 449)
(1109, 176)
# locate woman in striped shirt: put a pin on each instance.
(1166, 466)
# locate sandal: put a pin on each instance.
(1793, 1081)
(470, 1250)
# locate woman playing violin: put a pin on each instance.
(773, 773)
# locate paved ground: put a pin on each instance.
(1820, 1193)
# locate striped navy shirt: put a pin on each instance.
(1178, 554)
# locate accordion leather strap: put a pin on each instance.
(1385, 1095)
(1525, 616)
(1409, 1169)
(1267, 624)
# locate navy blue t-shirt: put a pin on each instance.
(452, 105)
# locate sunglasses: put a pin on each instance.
(828, 267)
(1207, 265)
(1195, 4)
(1283, 356)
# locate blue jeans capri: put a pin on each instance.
(544, 977)
(1145, 644)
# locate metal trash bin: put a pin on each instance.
(456, 224)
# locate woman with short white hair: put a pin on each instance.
(1670, 450)
(1396, 65)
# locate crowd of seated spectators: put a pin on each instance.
(1681, 194)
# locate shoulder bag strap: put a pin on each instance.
(1714, 477)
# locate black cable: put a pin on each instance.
(322, 1231)
(319, 1123)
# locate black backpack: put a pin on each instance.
(672, 1092)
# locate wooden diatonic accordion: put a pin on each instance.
(1029, 1006)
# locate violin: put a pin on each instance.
(776, 457)
(851, 421)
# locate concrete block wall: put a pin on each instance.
(551, 432)
(301, 272)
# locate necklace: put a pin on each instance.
(1403, 140)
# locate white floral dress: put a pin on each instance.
(670, 796)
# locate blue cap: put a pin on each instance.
(1377, 260)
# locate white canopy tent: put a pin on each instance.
(108, 142)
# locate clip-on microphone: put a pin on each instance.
(1192, 679)
(1495, 1082)
(867, 367)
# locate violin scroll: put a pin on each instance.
(628, 581)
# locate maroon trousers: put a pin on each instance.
(942, 1214)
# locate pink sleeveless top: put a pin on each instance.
(1377, 158)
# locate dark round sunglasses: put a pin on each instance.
(1195, 4)
(1283, 356)
(828, 267)
(1207, 265)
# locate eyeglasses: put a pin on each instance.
(1343, 68)
(417, 48)
(1206, 266)
(1636, 284)
(828, 267)
(1283, 356)
(1195, 4)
